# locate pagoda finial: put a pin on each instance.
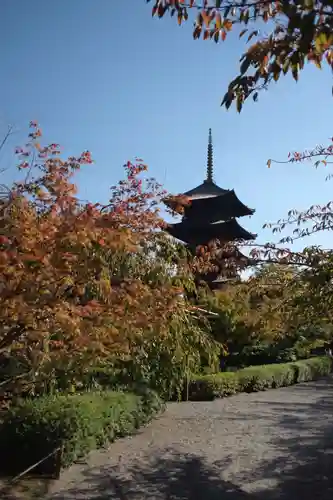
(210, 158)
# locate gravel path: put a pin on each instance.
(274, 444)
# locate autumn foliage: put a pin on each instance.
(295, 32)
(81, 283)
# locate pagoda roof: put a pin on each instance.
(210, 201)
(223, 206)
(207, 189)
(201, 234)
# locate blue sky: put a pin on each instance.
(103, 76)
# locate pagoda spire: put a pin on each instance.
(210, 158)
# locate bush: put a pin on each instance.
(209, 387)
(258, 378)
(312, 368)
(77, 423)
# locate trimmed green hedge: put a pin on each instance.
(258, 378)
(77, 423)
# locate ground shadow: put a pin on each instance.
(180, 477)
(302, 468)
(177, 477)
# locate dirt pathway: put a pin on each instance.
(274, 444)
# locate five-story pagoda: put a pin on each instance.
(210, 217)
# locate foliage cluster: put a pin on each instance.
(271, 317)
(75, 423)
(287, 35)
(85, 284)
(258, 378)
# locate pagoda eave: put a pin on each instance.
(225, 206)
(201, 235)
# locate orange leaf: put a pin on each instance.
(227, 25)
(206, 18)
(218, 21)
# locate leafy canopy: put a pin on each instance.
(85, 284)
(287, 34)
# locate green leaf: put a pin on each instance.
(227, 100)
(239, 104)
(245, 16)
(245, 65)
(227, 10)
(254, 33)
(294, 72)
(321, 41)
(286, 66)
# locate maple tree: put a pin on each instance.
(293, 33)
(84, 284)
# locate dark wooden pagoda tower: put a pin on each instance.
(211, 216)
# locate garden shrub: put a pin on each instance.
(218, 385)
(283, 375)
(312, 368)
(78, 423)
(258, 378)
(255, 378)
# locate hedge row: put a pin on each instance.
(76, 423)
(258, 378)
